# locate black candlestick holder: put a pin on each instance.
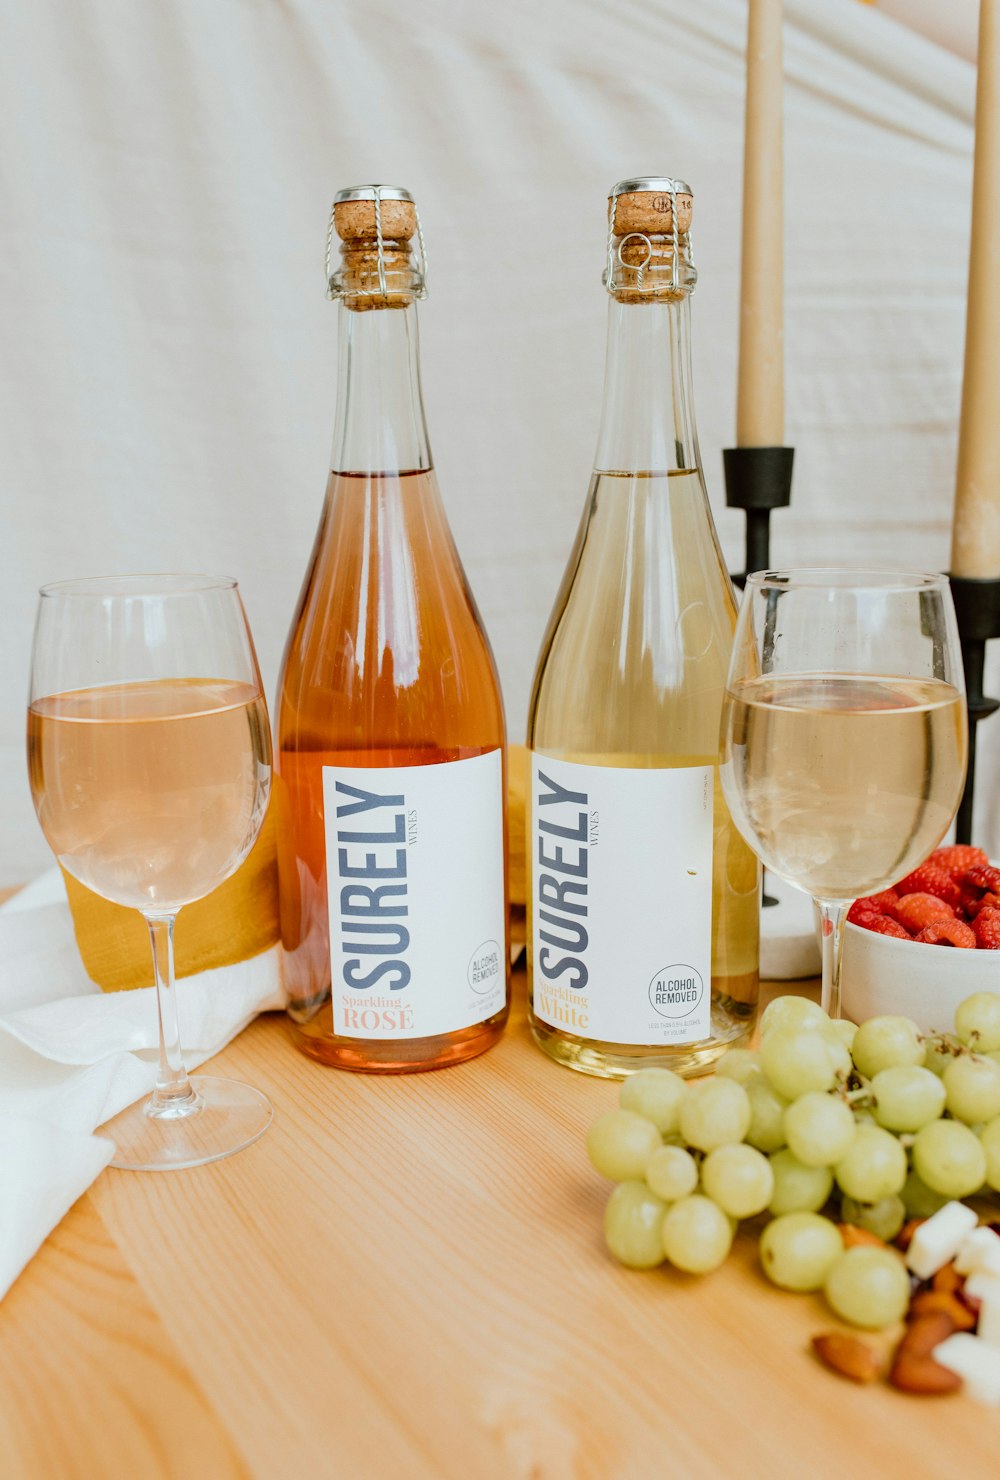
(758, 479)
(977, 607)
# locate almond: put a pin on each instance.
(941, 1300)
(924, 1333)
(922, 1375)
(853, 1235)
(848, 1356)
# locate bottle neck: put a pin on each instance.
(647, 421)
(379, 425)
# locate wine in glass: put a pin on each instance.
(149, 756)
(844, 732)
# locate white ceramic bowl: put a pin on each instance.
(881, 974)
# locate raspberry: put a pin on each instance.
(949, 933)
(984, 876)
(917, 910)
(862, 910)
(880, 902)
(973, 901)
(883, 925)
(986, 928)
(929, 879)
(958, 859)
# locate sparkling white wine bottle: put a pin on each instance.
(644, 899)
(390, 760)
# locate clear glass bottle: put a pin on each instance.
(390, 759)
(643, 899)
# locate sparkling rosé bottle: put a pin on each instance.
(390, 766)
(644, 898)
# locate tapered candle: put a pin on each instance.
(975, 548)
(760, 399)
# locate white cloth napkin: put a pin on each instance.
(72, 1056)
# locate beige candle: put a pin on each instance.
(760, 398)
(975, 547)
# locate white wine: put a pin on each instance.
(151, 794)
(644, 899)
(844, 780)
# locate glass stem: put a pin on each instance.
(833, 917)
(174, 1095)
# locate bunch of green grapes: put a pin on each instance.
(877, 1124)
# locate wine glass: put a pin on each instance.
(844, 732)
(149, 756)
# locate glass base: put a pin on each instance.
(226, 1117)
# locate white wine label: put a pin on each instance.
(621, 867)
(415, 888)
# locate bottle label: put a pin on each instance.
(415, 888)
(622, 901)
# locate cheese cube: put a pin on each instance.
(988, 1325)
(982, 1284)
(937, 1241)
(977, 1364)
(980, 1250)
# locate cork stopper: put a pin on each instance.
(375, 224)
(646, 204)
(647, 260)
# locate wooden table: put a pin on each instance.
(405, 1278)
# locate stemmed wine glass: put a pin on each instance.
(844, 732)
(149, 756)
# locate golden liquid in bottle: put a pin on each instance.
(632, 673)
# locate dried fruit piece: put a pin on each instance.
(958, 859)
(848, 1356)
(852, 1235)
(949, 933)
(947, 1280)
(904, 1237)
(930, 1301)
(917, 910)
(986, 928)
(930, 879)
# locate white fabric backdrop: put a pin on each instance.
(166, 365)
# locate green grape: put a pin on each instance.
(843, 1030)
(798, 1188)
(697, 1235)
(741, 1064)
(620, 1144)
(739, 1179)
(798, 1250)
(884, 1218)
(919, 1200)
(948, 1158)
(937, 1055)
(656, 1094)
(819, 1129)
(672, 1173)
(864, 1115)
(797, 1061)
(884, 1043)
(977, 1021)
(874, 1166)
(633, 1225)
(907, 1097)
(989, 1139)
(715, 1113)
(767, 1115)
(868, 1287)
(792, 1012)
(972, 1086)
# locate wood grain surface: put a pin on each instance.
(406, 1277)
